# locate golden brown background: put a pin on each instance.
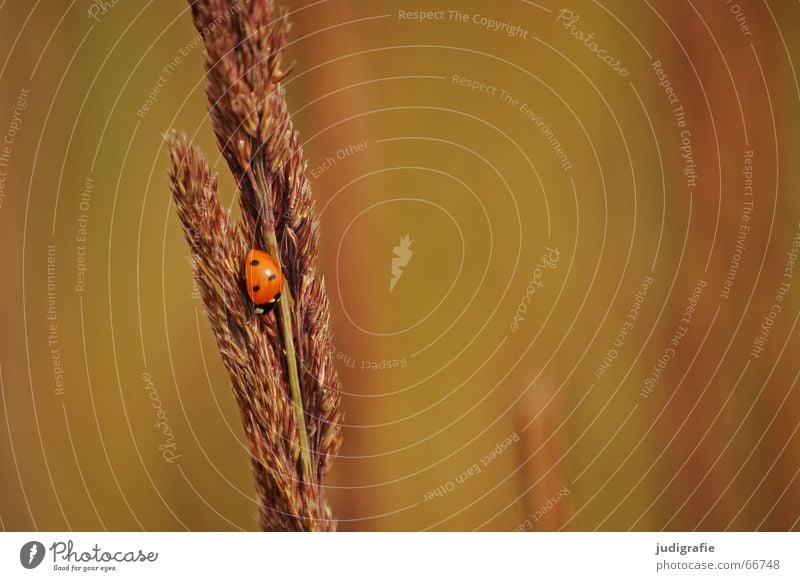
(480, 190)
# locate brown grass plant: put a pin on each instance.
(280, 365)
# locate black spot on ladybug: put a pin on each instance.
(254, 263)
(272, 276)
(256, 288)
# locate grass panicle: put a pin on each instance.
(281, 365)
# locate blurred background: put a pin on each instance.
(560, 246)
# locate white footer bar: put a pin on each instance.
(406, 556)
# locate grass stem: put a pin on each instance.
(291, 364)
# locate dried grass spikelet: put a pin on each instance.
(281, 365)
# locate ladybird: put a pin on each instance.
(264, 280)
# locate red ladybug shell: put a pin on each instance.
(264, 280)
